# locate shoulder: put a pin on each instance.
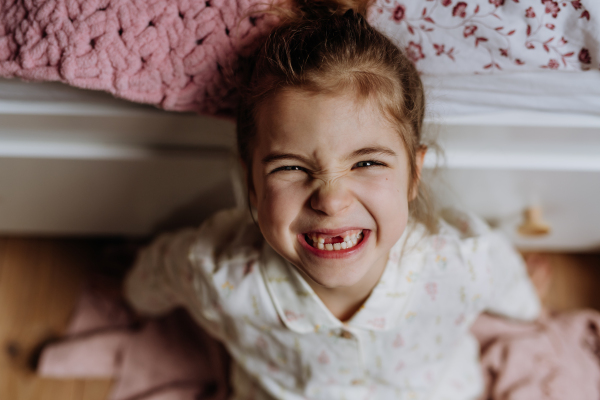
(458, 254)
(466, 232)
(448, 269)
(456, 230)
(227, 236)
(463, 225)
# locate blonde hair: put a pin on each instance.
(325, 47)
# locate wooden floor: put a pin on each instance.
(40, 280)
(575, 282)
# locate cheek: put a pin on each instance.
(280, 202)
(389, 190)
(386, 198)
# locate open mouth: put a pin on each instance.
(344, 241)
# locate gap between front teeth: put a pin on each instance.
(349, 241)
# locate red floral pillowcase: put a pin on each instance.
(484, 36)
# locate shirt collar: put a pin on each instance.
(384, 308)
(298, 306)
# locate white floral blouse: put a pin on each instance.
(410, 340)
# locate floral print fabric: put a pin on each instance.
(487, 36)
(410, 340)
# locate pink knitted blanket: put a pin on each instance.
(170, 53)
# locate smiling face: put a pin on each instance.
(333, 170)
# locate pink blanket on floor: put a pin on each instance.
(168, 358)
(556, 357)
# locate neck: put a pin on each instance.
(344, 302)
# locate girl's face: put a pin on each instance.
(330, 185)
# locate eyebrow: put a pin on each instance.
(283, 156)
(369, 151)
(366, 151)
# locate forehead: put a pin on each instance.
(322, 124)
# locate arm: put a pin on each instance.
(513, 293)
(161, 276)
(177, 268)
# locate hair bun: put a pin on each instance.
(327, 8)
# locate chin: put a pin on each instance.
(336, 276)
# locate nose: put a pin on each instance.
(331, 198)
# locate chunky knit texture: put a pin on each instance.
(175, 54)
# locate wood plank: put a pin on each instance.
(575, 279)
(95, 389)
(40, 281)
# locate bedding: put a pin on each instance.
(563, 92)
(105, 340)
(179, 55)
(447, 96)
(557, 357)
(489, 36)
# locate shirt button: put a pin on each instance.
(346, 334)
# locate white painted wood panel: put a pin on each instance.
(499, 166)
(84, 163)
(569, 202)
(107, 196)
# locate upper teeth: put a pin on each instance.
(350, 240)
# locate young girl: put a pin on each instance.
(346, 287)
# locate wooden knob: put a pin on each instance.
(533, 224)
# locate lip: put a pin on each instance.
(344, 253)
(334, 232)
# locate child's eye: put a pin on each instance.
(289, 168)
(363, 164)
